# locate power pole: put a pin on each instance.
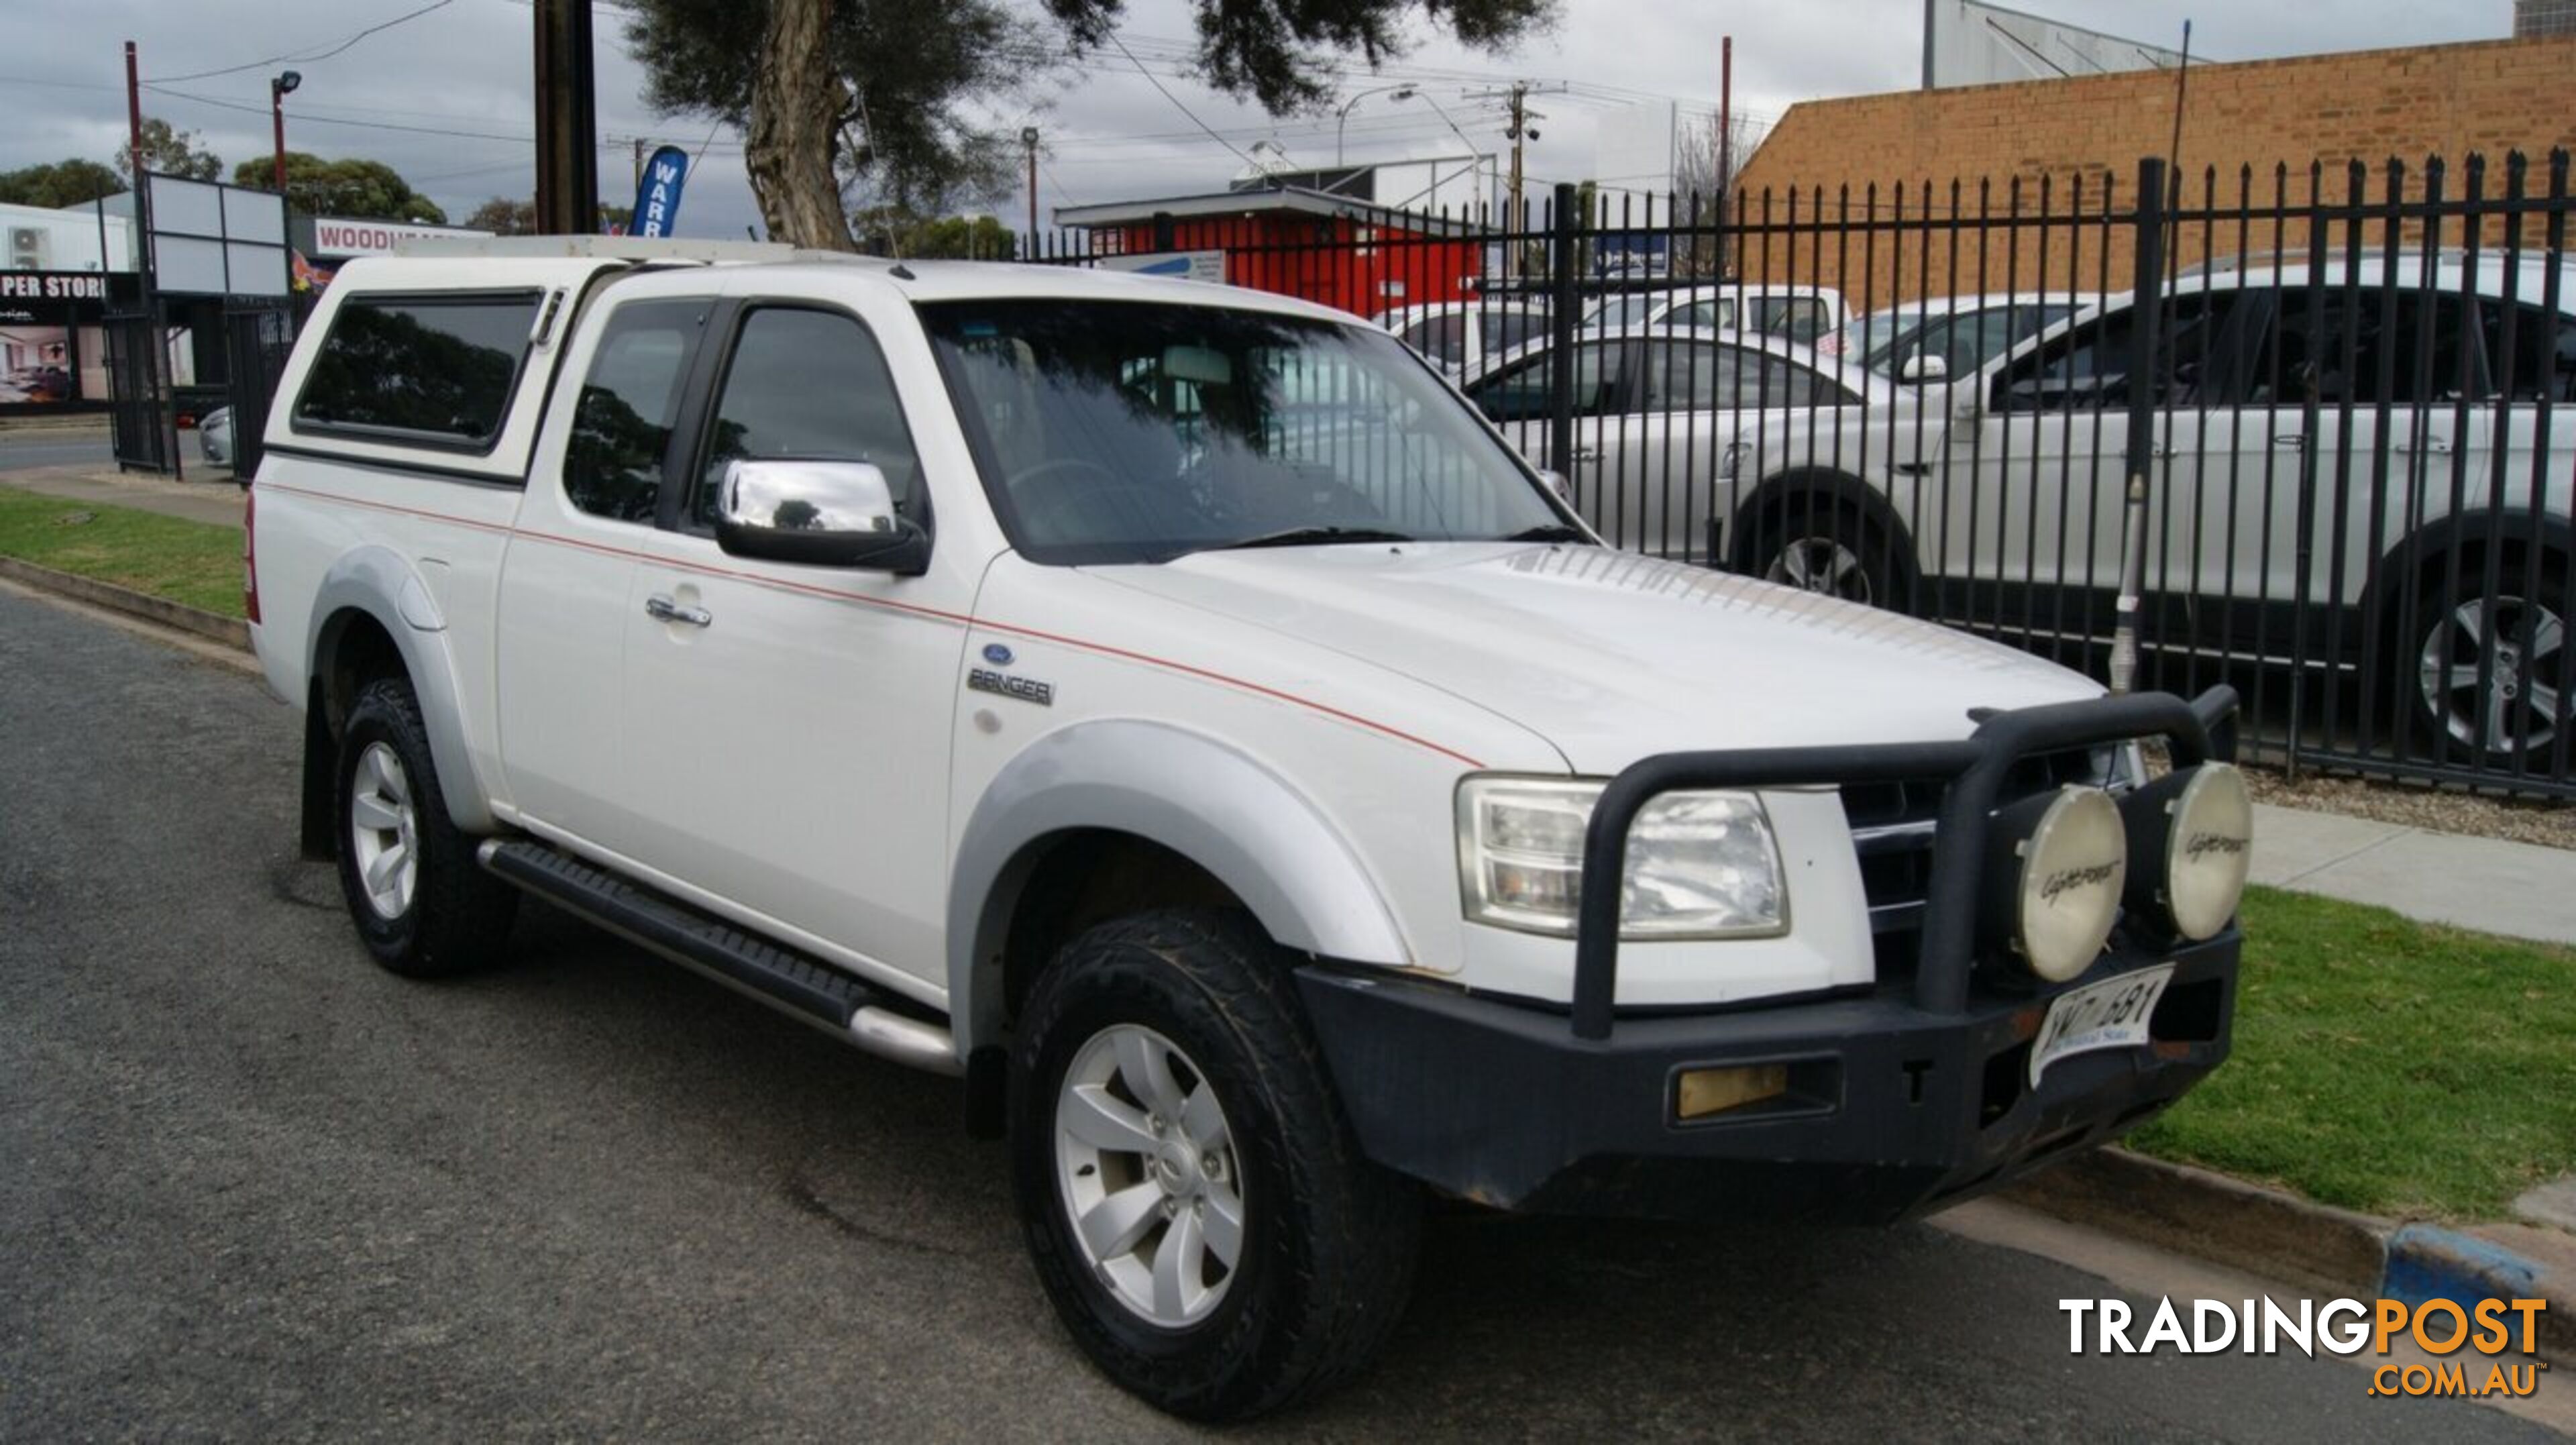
(1515, 214)
(1029, 143)
(567, 120)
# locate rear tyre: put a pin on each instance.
(2489, 678)
(1194, 1202)
(421, 904)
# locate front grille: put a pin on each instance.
(1892, 828)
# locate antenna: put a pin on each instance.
(2182, 80)
(2173, 153)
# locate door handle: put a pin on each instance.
(2435, 446)
(1587, 454)
(2290, 439)
(663, 609)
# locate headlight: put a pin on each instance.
(2061, 862)
(2192, 832)
(1700, 865)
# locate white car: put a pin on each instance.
(1663, 417)
(1458, 335)
(1171, 709)
(2342, 453)
(215, 437)
(1796, 311)
(1934, 338)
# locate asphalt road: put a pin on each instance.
(252, 1187)
(49, 447)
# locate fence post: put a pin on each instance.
(2146, 313)
(1561, 323)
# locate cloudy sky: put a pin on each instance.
(445, 97)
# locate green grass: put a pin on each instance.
(2387, 1065)
(196, 563)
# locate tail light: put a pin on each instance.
(250, 557)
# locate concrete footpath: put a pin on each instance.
(2521, 890)
(209, 496)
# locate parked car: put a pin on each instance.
(2354, 453)
(1939, 337)
(1798, 312)
(1662, 416)
(1456, 335)
(1277, 817)
(215, 437)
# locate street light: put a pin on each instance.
(1401, 92)
(278, 90)
(1475, 158)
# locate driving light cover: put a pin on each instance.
(1700, 865)
(2192, 833)
(2067, 862)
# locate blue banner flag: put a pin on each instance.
(657, 196)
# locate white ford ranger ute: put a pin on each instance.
(1173, 710)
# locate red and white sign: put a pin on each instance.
(335, 237)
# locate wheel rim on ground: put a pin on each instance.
(1822, 565)
(384, 833)
(2496, 675)
(1146, 1169)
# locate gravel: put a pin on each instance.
(2417, 805)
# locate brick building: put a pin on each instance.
(2241, 122)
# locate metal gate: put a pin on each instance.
(138, 424)
(257, 340)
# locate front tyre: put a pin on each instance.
(421, 904)
(1194, 1202)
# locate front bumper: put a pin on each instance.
(1891, 1112)
(1902, 1100)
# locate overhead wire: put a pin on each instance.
(307, 55)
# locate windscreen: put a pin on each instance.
(1124, 432)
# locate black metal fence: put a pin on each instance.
(2312, 433)
(138, 422)
(258, 338)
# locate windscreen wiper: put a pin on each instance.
(1547, 532)
(1312, 537)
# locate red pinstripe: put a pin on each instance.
(931, 613)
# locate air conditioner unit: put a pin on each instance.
(26, 248)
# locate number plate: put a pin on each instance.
(2111, 1014)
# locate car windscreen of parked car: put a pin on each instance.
(1116, 432)
(1965, 338)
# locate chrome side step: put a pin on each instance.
(791, 982)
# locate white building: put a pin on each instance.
(66, 240)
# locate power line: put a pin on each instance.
(1176, 100)
(307, 57)
(304, 119)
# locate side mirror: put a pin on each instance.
(1557, 483)
(823, 514)
(1925, 367)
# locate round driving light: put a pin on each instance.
(2192, 832)
(2067, 872)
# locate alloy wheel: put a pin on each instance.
(2496, 674)
(1146, 1170)
(384, 833)
(1822, 565)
